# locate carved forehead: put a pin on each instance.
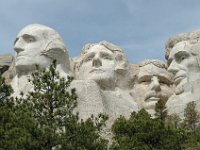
(181, 46)
(155, 62)
(151, 70)
(105, 45)
(98, 48)
(37, 30)
(190, 36)
(186, 46)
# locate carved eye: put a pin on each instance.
(163, 82)
(29, 38)
(88, 59)
(145, 82)
(183, 57)
(107, 57)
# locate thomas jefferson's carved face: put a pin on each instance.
(182, 63)
(98, 64)
(153, 84)
(29, 44)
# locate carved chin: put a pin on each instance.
(25, 67)
(100, 77)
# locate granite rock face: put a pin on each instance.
(183, 62)
(152, 83)
(5, 62)
(106, 65)
(104, 79)
(37, 44)
(7, 68)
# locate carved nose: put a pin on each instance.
(173, 67)
(96, 62)
(18, 46)
(155, 85)
(18, 50)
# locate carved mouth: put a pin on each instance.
(96, 70)
(152, 98)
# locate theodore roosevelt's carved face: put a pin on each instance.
(98, 64)
(152, 84)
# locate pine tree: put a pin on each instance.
(141, 131)
(5, 90)
(160, 110)
(173, 121)
(12, 134)
(6, 106)
(50, 109)
(191, 115)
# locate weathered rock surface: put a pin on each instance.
(89, 98)
(37, 44)
(183, 62)
(104, 79)
(152, 83)
(5, 62)
(7, 68)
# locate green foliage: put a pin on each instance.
(84, 135)
(174, 121)
(141, 131)
(160, 110)
(191, 126)
(44, 118)
(191, 115)
(5, 90)
(13, 131)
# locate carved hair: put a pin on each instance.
(155, 62)
(191, 37)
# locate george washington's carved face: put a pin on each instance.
(98, 64)
(29, 45)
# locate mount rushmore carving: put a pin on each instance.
(104, 79)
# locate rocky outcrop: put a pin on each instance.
(7, 67)
(105, 80)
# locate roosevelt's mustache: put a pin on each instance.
(159, 95)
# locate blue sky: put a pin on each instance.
(140, 27)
